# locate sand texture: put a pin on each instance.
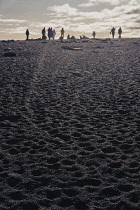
(70, 125)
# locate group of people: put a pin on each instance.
(52, 33)
(113, 32)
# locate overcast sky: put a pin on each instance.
(77, 17)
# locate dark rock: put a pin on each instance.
(9, 54)
(7, 49)
(71, 48)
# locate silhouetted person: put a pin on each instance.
(27, 34)
(49, 33)
(53, 33)
(73, 37)
(43, 33)
(62, 32)
(68, 37)
(61, 38)
(120, 32)
(112, 32)
(94, 34)
(85, 37)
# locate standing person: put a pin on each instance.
(94, 34)
(62, 33)
(54, 33)
(49, 33)
(112, 32)
(27, 34)
(43, 33)
(120, 32)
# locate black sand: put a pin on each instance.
(70, 122)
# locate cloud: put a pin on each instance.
(138, 20)
(114, 2)
(12, 21)
(89, 4)
(134, 11)
(134, 2)
(63, 10)
(121, 10)
(98, 2)
(17, 30)
(135, 28)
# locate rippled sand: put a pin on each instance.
(70, 122)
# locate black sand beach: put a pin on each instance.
(70, 121)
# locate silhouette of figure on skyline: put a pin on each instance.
(120, 32)
(43, 33)
(68, 37)
(62, 33)
(49, 33)
(27, 34)
(94, 34)
(53, 33)
(112, 32)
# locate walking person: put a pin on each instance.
(44, 33)
(49, 33)
(62, 33)
(113, 32)
(120, 32)
(94, 34)
(27, 34)
(54, 33)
